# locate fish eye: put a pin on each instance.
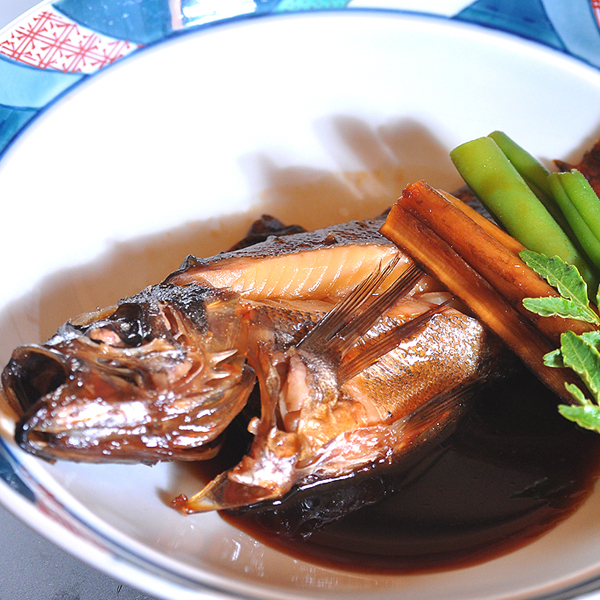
(127, 323)
(123, 328)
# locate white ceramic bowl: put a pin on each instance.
(315, 118)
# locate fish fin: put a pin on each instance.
(381, 346)
(222, 493)
(427, 418)
(343, 312)
(355, 315)
(219, 357)
(378, 307)
(207, 499)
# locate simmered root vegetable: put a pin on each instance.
(490, 279)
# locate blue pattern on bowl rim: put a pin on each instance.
(63, 42)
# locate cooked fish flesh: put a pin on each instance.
(318, 265)
(357, 390)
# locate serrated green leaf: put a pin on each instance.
(583, 358)
(554, 359)
(587, 416)
(560, 275)
(592, 338)
(579, 396)
(569, 283)
(561, 307)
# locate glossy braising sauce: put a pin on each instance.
(512, 470)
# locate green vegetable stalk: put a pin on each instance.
(581, 207)
(531, 170)
(535, 174)
(506, 194)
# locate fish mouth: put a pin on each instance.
(33, 373)
(30, 377)
(37, 382)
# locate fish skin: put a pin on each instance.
(361, 233)
(130, 396)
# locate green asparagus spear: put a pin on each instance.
(498, 185)
(533, 172)
(585, 235)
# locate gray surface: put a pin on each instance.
(31, 568)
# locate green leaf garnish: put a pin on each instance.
(573, 303)
(581, 353)
(592, 338)
(578, 395)
(554, 359)
(583, 358)
(587, 416)
(560, 307)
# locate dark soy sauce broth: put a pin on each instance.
(511, 471)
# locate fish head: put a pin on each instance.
(158, 377)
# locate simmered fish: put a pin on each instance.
(355, 351)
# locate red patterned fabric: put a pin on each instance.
(596, 10)
(49, 40)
